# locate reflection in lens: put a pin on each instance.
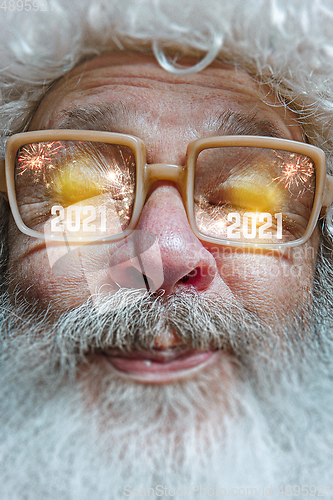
(255, 195)
(37, 160)
(80, 187)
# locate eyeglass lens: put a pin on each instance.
(241, 194)
(76, 187)
(255, 195)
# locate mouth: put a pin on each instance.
(158, 366)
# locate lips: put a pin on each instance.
(159, 366)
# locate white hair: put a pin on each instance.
(287, 44)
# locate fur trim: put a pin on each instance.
(285, 43)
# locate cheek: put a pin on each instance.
(30, 273)
(33, 277)
(266, 283)
(57, 276)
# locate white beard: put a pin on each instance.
(270, 426)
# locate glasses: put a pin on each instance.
(237, 190)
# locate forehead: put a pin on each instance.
(134, 95)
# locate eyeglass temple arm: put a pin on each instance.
(3, 187)
(328, 193)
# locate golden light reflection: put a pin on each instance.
(77, 180)
(253, 194)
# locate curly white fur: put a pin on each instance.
(288, 44)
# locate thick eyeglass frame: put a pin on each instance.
(182, 175)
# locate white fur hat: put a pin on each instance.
(285, 43)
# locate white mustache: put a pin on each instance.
(130, 320)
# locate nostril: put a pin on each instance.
(188, 276)
(200, 277)
(130, 277)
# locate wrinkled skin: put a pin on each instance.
(146, 102)
(152, 99)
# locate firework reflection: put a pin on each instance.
(297, 173)
(38, 159)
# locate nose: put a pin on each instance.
(163, 253)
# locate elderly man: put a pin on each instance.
(166, 250)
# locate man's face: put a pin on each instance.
(198, 357)
(133, 95)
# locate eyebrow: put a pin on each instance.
(233, 123)
(103, 117)
(112, 117)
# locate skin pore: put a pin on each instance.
(131, 94)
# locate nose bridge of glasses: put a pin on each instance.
(164, 172)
